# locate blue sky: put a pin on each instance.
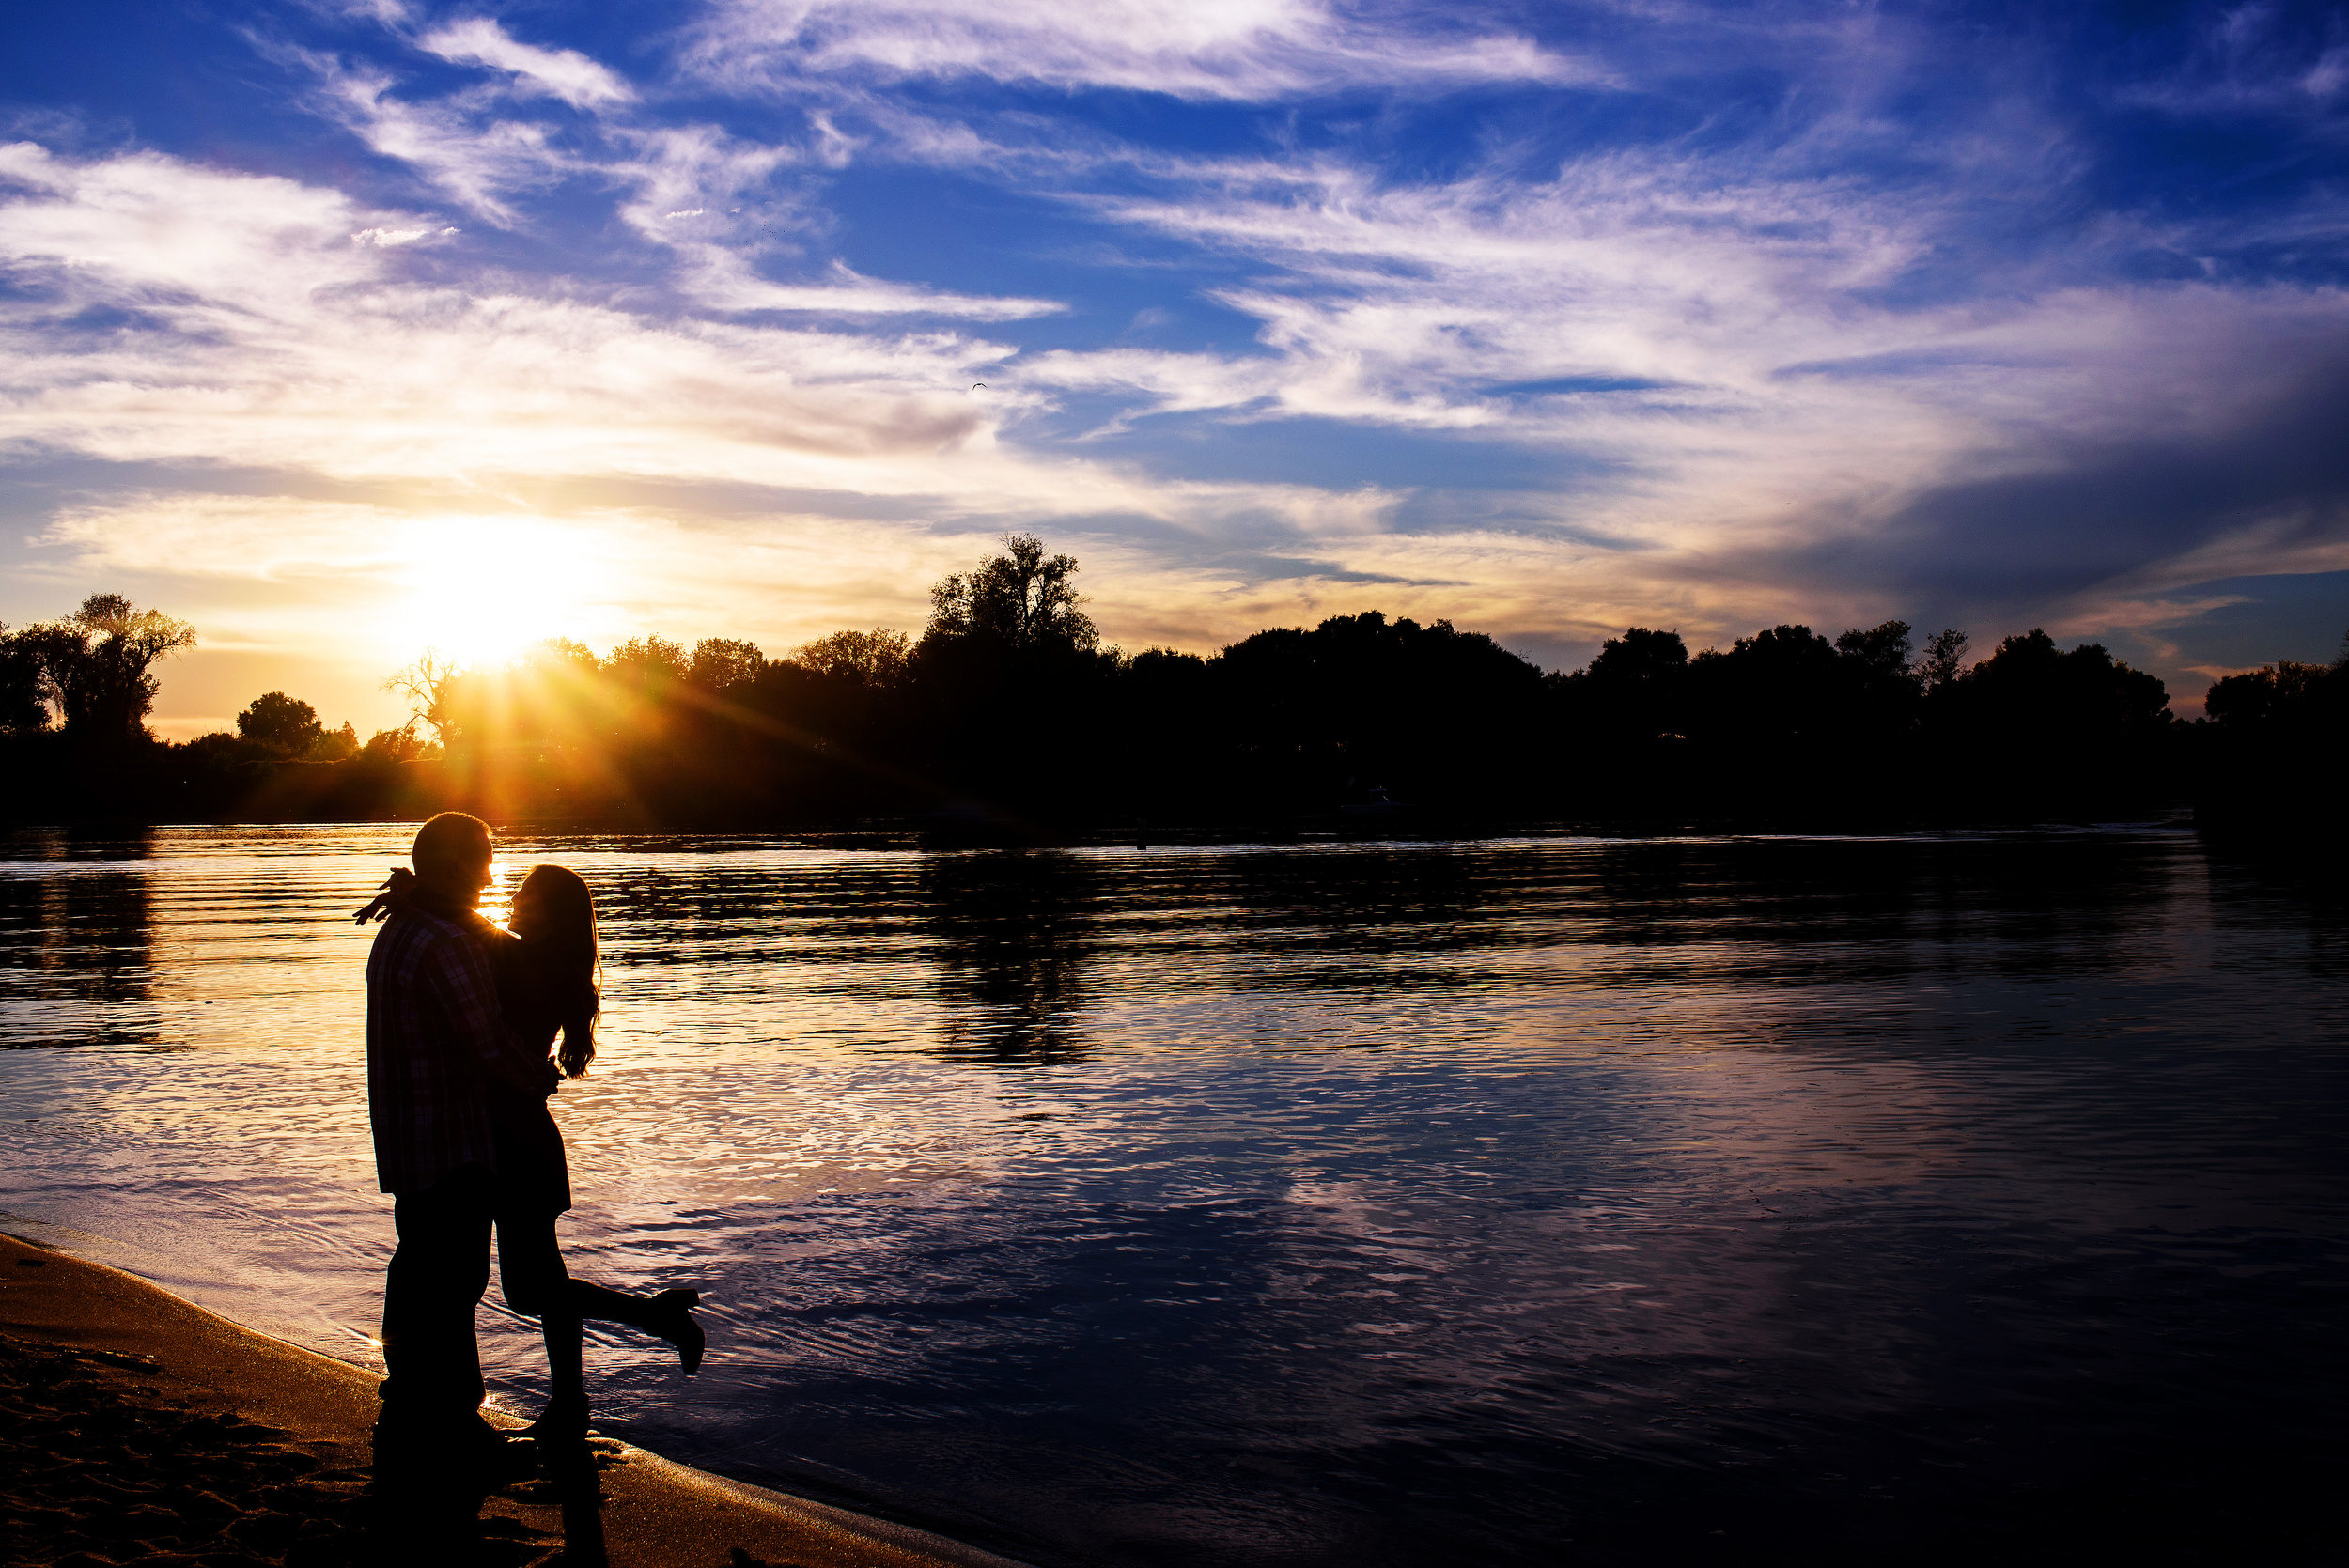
(343, 329)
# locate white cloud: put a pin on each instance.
(388, 238)
(563, 73)
(142, 227)
(1792, 409)
(722, 280)
(1234, 48)
(279, 344)
(685, 178)
(1728, 316)
(479, 158)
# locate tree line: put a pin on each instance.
(1008, 713)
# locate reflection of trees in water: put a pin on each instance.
(1868, 910)
(662, 916)
(86, 936)
(1014, 932)
(1854, 911)
(656, 915)
(1356, 900)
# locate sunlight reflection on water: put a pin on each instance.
(1308, 1205)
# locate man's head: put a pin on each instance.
(452, 856)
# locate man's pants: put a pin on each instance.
(439, 1270)
(431, 1361)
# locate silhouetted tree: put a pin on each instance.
(2281, 749)
(1020, 600)
(1885, 687)
(1942, 660)
(2065, 729)
(566, 654)
(1427, 712)
(1007, 696)
(644, 661)
(2032, 689)
(283, 724)
(1880, 652)
(722, 663)
(24, 691)
(1779, 686)
(392, 746)
(99, 663)
(431, 686)
(1635, 690)
(878, 659)
(2284, 696)
(1010, 707)
(1641, 657)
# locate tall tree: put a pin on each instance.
(648, 661)
(24, 690)
(100, 664)
(430, 685)
(2054, 700)
(879, 657)
(1943, 659)
(285, 724)
(1021, 600)
(1636, 690)
(722, 663)
(1880, 652)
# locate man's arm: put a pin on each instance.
(458, 976)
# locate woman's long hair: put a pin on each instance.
(562, 956)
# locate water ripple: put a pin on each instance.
(1363, 1205)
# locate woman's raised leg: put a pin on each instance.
(669, 1314)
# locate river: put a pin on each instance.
(1319, 1203)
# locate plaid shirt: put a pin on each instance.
(436, 1040)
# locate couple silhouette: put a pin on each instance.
(463, 1024)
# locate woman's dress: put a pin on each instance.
(534, 1178)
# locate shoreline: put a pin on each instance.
(155, 1430)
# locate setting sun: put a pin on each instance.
(481, 589)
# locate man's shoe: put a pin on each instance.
(466, 1448)
(500, 1457)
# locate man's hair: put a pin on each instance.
(451, 838)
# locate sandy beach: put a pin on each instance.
(135, 1427)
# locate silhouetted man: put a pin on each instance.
(435, 1034)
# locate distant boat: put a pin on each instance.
(1378, 804)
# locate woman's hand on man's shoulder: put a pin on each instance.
(394, 892)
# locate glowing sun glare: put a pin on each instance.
(482, 589)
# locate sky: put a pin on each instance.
(347, 328)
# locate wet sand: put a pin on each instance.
(135, 1427)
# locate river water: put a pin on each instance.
(1389, 1204)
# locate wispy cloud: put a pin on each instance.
(1547, 322)
(1230, 49)
(268, 338)
(721, 279)
(2258, 59)
(563, 73)
(475, 155)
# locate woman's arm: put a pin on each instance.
(396, 889)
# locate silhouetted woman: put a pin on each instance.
(546, 968)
